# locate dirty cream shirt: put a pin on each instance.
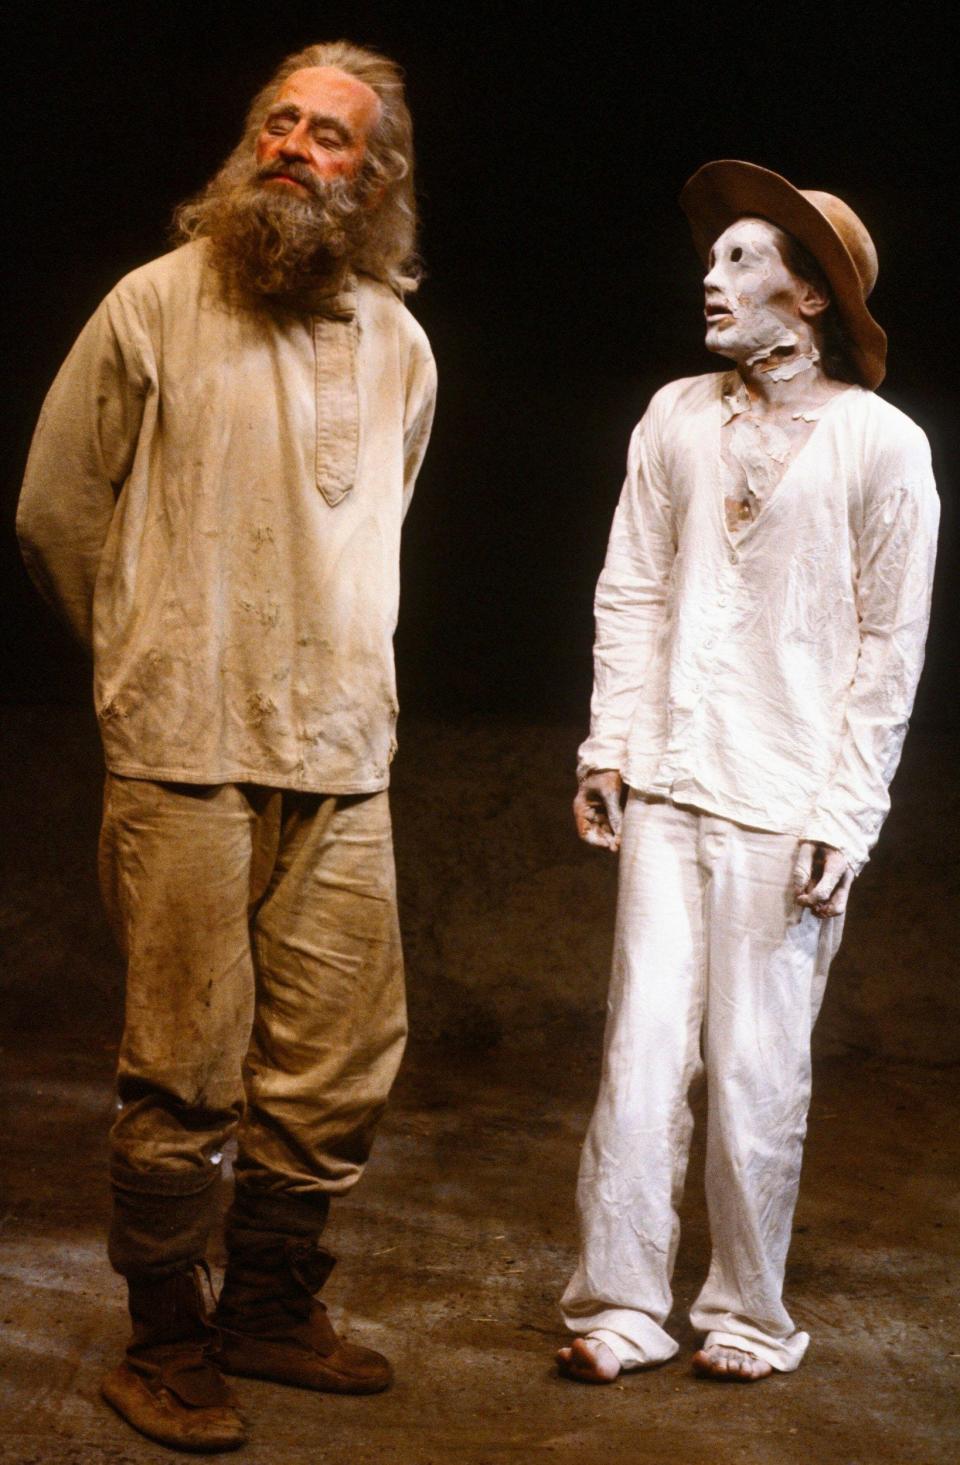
(214, 499)
(766, 678)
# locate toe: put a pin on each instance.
(588, 1361)
(730, 1363)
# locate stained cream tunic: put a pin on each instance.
(766, 678)
(214, 499)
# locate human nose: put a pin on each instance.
(712, 279)
(295, 143)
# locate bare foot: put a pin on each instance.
(734, 1365)
(589, 1361)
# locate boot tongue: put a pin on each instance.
(194, 1381)
(185, 1372)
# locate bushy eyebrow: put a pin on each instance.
(316, 119)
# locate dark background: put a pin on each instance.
(562, 290)
(562, 287)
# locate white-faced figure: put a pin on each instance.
(760, 626)
(756, 307)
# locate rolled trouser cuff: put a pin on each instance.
(628, 1354)
(634, 1336)
(161, 1219)
(783, 1355)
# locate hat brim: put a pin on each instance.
(722, 192)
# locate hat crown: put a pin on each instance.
(851, 232)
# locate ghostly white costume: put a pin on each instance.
(753, 691)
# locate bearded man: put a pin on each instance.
(214, 500)
(760, 628)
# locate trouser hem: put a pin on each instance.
(784, 1357)
(183, 1182)
(638, 1340)
(627, 1353)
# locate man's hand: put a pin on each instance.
(596, 809)
(822, 878)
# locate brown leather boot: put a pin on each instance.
(271, 1326)
(167, 1387)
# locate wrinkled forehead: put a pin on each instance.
(326, 90)
(758, 236)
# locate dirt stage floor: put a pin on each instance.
(454, 1248)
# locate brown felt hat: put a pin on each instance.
(719, 193)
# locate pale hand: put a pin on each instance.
(822, 878)
(596, 808)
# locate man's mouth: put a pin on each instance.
(715, 311)
(289, 177)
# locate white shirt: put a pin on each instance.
(766, 678)
(214, 499)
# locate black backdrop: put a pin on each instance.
(562, 287)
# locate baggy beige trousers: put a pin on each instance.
(265, 984)
(716, 967)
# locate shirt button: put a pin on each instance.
(733, 557)
(722, 600)
(709, 643)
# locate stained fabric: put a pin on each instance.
(715, 969)
(766, 678)
(213, 500)
(264, 991)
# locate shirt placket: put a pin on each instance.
(335, 344)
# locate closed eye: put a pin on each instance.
(281, 119)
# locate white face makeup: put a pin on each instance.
(752, 300)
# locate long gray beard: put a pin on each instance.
(272, 244)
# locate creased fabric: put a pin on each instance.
(265, 990)
(709, 940)
(766, 678)
(213, 500)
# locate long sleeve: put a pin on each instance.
(896, 554)
(81, 453)
(630, 600)
(418, 417)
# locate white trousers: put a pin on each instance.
(715, 966)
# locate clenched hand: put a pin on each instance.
(596, 808)
(822, 878)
